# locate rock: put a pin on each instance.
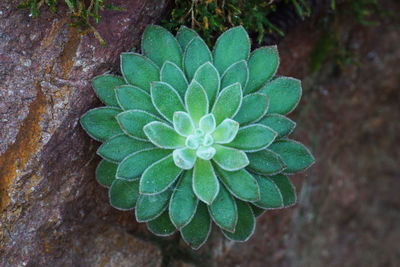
(52, 211)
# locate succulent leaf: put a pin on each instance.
(162, 225)
(164, 136)
(189, 136)
(124, 194)
(159, 176)
(232, 46)
(166, 99)
(104, 87)
(184, 36)
(253, 138)
(183, 123)
(226, 131)
(196, 54)
(160, 45)
(227, 103)
(236, 73)
(132, 97)
(208, 77)
(245, 225)
(196, 101)
(183, 204)
(205, 182)
(133, 121)
(133, 166)
(286, 188)
(195, 233)
(223, 210)
(105, 173)
(118, 147)
(265, 162)
(100, 123)
(256, 210)
(240, 183)
(207, 123)
(149, 207)
(230, 159)
(270, 195)
(139, 70)
(263, 64)
(184, 158)
(279, 123)
(296, 156)
(173, 75)
(284, 94)
(253, 108)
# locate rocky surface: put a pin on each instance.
(53, 211)
(55, 214)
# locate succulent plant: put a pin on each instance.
(192, 136)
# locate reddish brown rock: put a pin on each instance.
(52, 210)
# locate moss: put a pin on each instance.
(329, 45)
(82, 15)
(211, 17)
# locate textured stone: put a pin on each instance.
(52, 210)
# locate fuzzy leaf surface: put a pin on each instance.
(256, 210)
(295, 155)
(287, 189)
(104, 87)
(184, 158)
(124, 194)
(133, 121)
(270, 195)
(105, 173)
(263, 64)
(120, 146)
(226, 131)
(253, 138)
(232, 46)
(184, 36)
(183, 202)
(174, 76)
(265, 162)
(236, 73)
(208, 77)
(183, 124)
(139, 70)
(284, 94)
(164, 136)
(149, 207)
(227, 103)
(245, 225)
(159, 176)
(279, 123)
(132, 97)
(166, 99)
(224, 211)
(240, 183)
(196, 54)
(160, 45)
(207, 123)
(162, 225)
(205, 182)
(196, 101)
(132, 167)
(100, 123)
(230, 159)
(253, 108)
(195, 234)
